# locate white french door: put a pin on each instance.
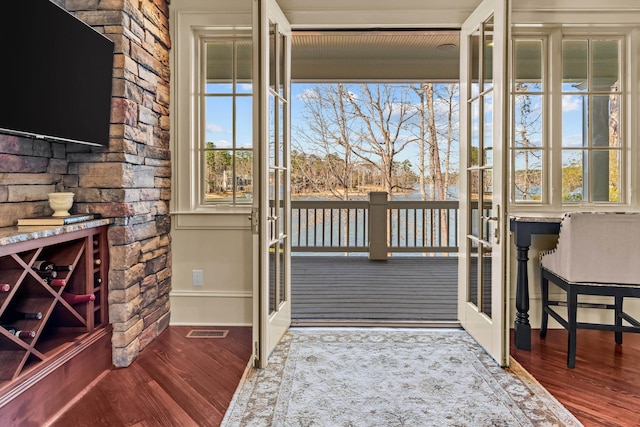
(271, 207)
(483, 130)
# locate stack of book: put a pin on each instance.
(58, 220)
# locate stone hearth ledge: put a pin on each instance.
(23, 233)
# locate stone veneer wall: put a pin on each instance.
(129, 180)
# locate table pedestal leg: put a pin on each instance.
(522, 328)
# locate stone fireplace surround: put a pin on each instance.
(128, 181)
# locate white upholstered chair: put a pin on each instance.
(596, 254)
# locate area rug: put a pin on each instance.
(389, 377)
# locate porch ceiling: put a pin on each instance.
(382, 55)
(368, 14)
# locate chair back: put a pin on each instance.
(598, 247)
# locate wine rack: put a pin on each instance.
(51, 324)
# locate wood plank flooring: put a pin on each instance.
(178, 381)
(334, 288)
(175, 381)
(604, 387)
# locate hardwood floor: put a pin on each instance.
(178, 381)
(604, 387)
(175, 381)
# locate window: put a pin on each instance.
(528, 153)
(575, 142)
(591, 140)
(227, 102)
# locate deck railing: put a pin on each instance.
(378, 226)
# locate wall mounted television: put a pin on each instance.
(55, 74)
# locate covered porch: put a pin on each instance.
(375, 261)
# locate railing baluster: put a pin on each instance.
(439, 229)
(331, 219)
(406, 227)
(414, 232)
(365, 230)
(423, 219)
(346, 229)
(432, 228)
(398, 243)
(315, 228)
(324, 226)
(299, 226)
(355, 224)
(341, 227)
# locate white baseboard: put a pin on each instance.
(211, 308)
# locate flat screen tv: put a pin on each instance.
(55, 73)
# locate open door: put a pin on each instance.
(483, 122)
(271, 207)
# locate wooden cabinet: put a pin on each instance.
(52, 324)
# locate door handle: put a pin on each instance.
(496, 230)
(496, 218)
(255, 221)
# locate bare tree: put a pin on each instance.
(360, 130)
(449, 96)
(327, 131)
(436, 137)
(528, 125)
(422, 140)
(365, 124)
(436, 107)
(385, 114)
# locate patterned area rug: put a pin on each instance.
(389, 377)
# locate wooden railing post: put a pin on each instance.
(378, 245)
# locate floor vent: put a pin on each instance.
(207, 333)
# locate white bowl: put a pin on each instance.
(60, 203)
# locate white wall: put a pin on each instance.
(224, 256)
(220, 243)
(623, 15)
(217, 241)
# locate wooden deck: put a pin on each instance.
(327, 289)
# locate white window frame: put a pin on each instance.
(203, 95)
(552, 122)
(545, 93)
(590, 149)
(187, 198)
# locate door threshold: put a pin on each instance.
(375, 323)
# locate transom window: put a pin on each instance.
(227, 135)
(573, 143)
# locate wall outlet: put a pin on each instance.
(196, 277)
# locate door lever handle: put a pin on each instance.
(496, 218)
(255, 221)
